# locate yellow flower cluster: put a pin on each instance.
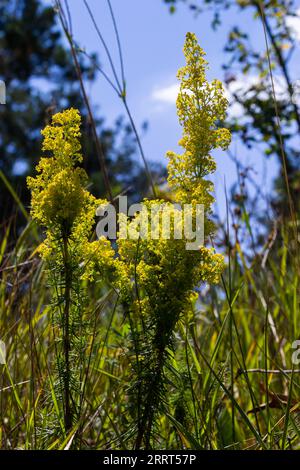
(164, 270)
(59, 200)
(200, 106)
(157, 273)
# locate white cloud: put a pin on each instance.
(167, 95)
(293, 22)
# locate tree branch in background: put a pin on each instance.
(121, 89)
(99, 150)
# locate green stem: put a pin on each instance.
(66, 339)
(146, 422)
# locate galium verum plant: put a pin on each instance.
(157, 276)
(66, 210)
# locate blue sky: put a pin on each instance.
(152, 41)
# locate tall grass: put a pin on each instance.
(231, 383)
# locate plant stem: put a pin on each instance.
(66, 338)
(146, 422)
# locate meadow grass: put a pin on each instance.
(230, 384)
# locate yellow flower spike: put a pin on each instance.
(157, 275)
(59, 200)
(200, 107)
(62, 137)
(163, 268)
(64, 208)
